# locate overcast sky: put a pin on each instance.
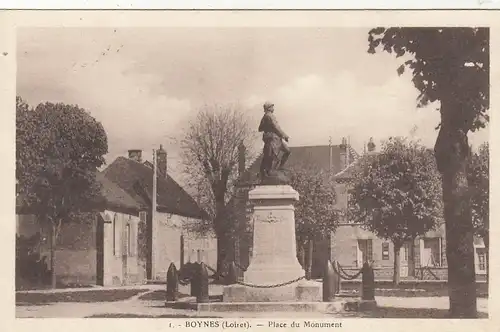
(143, 84)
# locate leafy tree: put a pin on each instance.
(58, 150)
(449, 65)
(315, 212)
(211, 145)
(397, 194)
(479, 181)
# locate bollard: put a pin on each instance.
(329, 281)
(194, 276)
(339, 282)
(336, 278)
(368, 283)
(202, 296)
(232, 274)
(172, 283)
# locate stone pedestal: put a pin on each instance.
(274, 260)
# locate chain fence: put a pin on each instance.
(271, 286)
(336, 267)
(343, 274)
(187, 280)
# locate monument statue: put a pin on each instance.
(276, 152)
(274, 277)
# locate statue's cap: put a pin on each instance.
(268, 105)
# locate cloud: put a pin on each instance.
(142, 84)
(312, 108)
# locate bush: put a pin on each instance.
(31, 268)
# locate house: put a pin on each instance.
(174, 208)
(94, 249)
(351, 244)
(123, 240)
(422, 258)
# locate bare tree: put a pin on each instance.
(211, 145)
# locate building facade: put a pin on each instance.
(424, 258)
(123, 242)
(351, 244)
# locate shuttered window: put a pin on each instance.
(385, 251)
(481, 259)
(431, 255)
(365, 251)
(117, 236)
(114, 235)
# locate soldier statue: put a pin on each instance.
(276, 151)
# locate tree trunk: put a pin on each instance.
(451, 156)
(310, 248)
(221, 257)
(301, 255)
(397, 264)
(53, 242)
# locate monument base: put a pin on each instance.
(339, 305)
(302, 291)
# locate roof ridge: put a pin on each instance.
(171, 195)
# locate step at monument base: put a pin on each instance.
(302, 291)
(337, 306)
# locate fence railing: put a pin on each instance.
(196, 274)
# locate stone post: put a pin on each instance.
(232, 274)
(202, 296)
(329, 281)
(172, 283)
(195, 278)
(368, 283)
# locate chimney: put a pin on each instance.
(241, 159)
(371, 145)
(343, 154)
(135, 155)
(330, 153)
(161, 161)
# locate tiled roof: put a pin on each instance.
(317, 157)
(116, 196)
(113, 197)
(132, 177)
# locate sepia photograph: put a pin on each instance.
(312, 172)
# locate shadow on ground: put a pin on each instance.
(393, 312)
(413, 290)
(386, 312)
(146, 316)
(25, 299)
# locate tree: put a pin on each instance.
(397, 194)
(479, 180)
(211, 145)
(58, 150)
(449, 65)
(315, 212)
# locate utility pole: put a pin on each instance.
(154, 205)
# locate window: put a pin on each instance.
(385, 251)
(481, 259)
(114, 235)
(431, 254)
(405, 250)
(365, 252)
(142, 216)
(129, 241)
